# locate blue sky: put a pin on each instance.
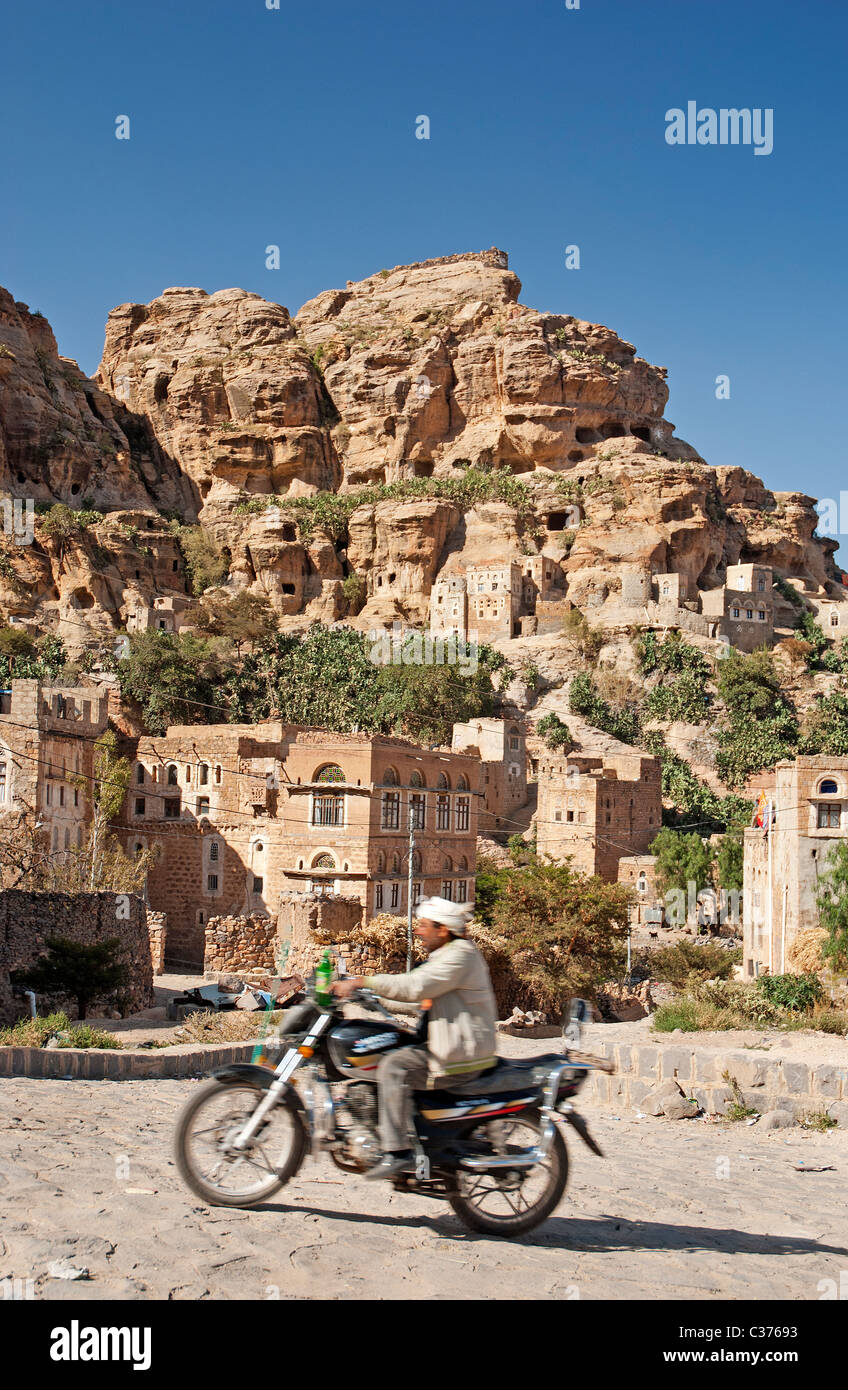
(296, 126)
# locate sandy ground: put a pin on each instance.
(675, 1210)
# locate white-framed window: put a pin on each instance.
(378, 897)
(418, 808)
(447, 889)
(461, 890)
(328, 808)
(390, 819)
(395, 895)
(2, 781)
(462, 813)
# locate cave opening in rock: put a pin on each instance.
(556, 521)
(641, 432)
(160, 388)
(423, 468)
(289, 532)
(21, 477)
(575, 456)
(75, 489)
(613, 429)
(287, 588)
(584, 435)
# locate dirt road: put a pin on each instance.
(677, 1210)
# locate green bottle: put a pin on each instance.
(323, 976)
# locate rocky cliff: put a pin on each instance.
(218, 408)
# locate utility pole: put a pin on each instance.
(409, 890)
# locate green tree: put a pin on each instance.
(239, 620)
(554, 731)
(562, 930)
(207, 562)
(681, 859)
(424, 702)
(354, 591)
(729, 862)
(173, 677)
(826, 726)
(14, 644)
(832, 903)
(761, 727)
(76, 971)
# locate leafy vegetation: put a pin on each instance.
(173, 678)
(681, 859)
(760, 727)
(80, 972)
(555, 732)
(207, 562)
(583, 698)
(688, 961)
(832, 903)
(331, 511)
(35, 1032)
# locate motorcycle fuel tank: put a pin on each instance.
(357, 1046)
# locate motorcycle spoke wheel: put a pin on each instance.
(510, 1201)
(213, 1168)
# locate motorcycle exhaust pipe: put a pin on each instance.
(528, 1160)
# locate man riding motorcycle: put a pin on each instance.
(455, 989)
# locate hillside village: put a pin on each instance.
(416, 452)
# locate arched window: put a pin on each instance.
(390, 777)
(442, 782)
(834, 619)
(381, 863)
(330, 772)
(258, 848)
(642, 883)
(395, 863)
(214, 850)
(415, 779)
(172, 775)
(448, 865)
(323, 861)
(463, 864)
(828, 787)
(416, 862)
(139, 773)
(461, 784)
(203, 774)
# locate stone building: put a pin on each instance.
(517, 597)
(47, 738)
(165, 614)
(740, 611)
(241, 813)
(783, 864)
(594, 810)
(500, 744)
(639, 872)
(743, 606)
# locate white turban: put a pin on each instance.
(454, 916)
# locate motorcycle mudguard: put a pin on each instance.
(577, 1122)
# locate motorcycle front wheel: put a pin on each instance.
(213, 1169)
(510, 1201)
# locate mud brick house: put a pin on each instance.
(784, 863)
(593, 810)
(241, 813)
(501, 747)
(508, 598)
(47, 738)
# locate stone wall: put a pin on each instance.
(240, 945)
(28, 919)
(157, 932)
(767, 1083)
(311, 923)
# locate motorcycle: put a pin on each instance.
(492, 1146)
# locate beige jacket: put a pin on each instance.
(461, 1033)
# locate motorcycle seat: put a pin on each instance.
(505, 1076)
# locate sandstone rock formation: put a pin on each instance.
(206, 404)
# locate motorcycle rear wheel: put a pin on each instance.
(496, 1203)
(218, 1109)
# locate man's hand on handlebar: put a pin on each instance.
(343, 989)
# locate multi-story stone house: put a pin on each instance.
(740, 611)
(500, 744)
(47, 744)
(593, 811)
(784, 859)
(508, 598)
(241, 813)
